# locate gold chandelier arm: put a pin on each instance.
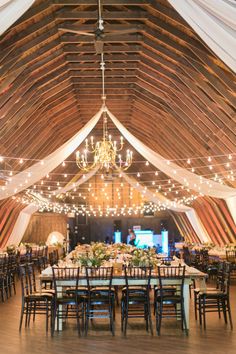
(86, 168)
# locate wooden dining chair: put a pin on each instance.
(101, 298)
(34, 302)
(67, 305)
(170, 303)
(135, 302)
(215, 299)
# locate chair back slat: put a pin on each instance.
(100, 274)
(138, 273)
(175, 274)
(65, 274)
(27, 276)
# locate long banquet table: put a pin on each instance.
(119, 280)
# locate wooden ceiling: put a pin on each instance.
(162, 83)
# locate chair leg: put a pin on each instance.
(53, 317)
(221, 304)
(154, 309)
(204, 313)
(57, 317)
(200, 309)
(2, 293)
(122, 315)
(87, 318)
(77, 319)
(14, 283)
(83, 314)
(195, 305)
(34, 311)
(159, 308)
(111, 313)
(21, 315)
(29, 313)
(126, 316)
(114, 310)
(26, 314)
(219, 308)
(146, 316)
(46, 315)
(150, 318)
(229, 313)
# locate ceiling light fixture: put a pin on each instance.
(105, 152)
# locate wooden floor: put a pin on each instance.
(217, 339)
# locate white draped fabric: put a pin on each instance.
(183, 176)
(231, 204)
(190, 212)
(215, 22)
(38, 171)
(158, 198)
(82, 180)
(21, 181)
(11, 11)
(197, 226)
(21, 225)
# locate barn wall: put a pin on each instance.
(41, 225)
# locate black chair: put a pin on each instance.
(45, 284)
(215, 299)
(187, 256)
(11, 271)
(66, 305)
(135, 302)
(100, 299)
(27, 257)
(33, 302)
(221, 268)
(3, 277)
(170, 303)
(53, 257)
(231, 259)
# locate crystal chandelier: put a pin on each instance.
(105, 152)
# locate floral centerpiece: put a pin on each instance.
(94, 256)
(143, 258)
(208, 245)
(11, 249)
(97, 253)
(122, 248)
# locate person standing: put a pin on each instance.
(128, 237)
(132, 241)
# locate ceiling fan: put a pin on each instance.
(98, 33)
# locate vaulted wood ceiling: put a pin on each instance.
(162, 82)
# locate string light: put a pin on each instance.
(168, 161)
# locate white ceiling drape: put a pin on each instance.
(215, 22)
(158, 198)
(231, 204)
(11, 11)
(38, 171)
(183, 176)
(190, 212)
(21, 225)
(21, 180)
(82, 180)
(198, 226)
